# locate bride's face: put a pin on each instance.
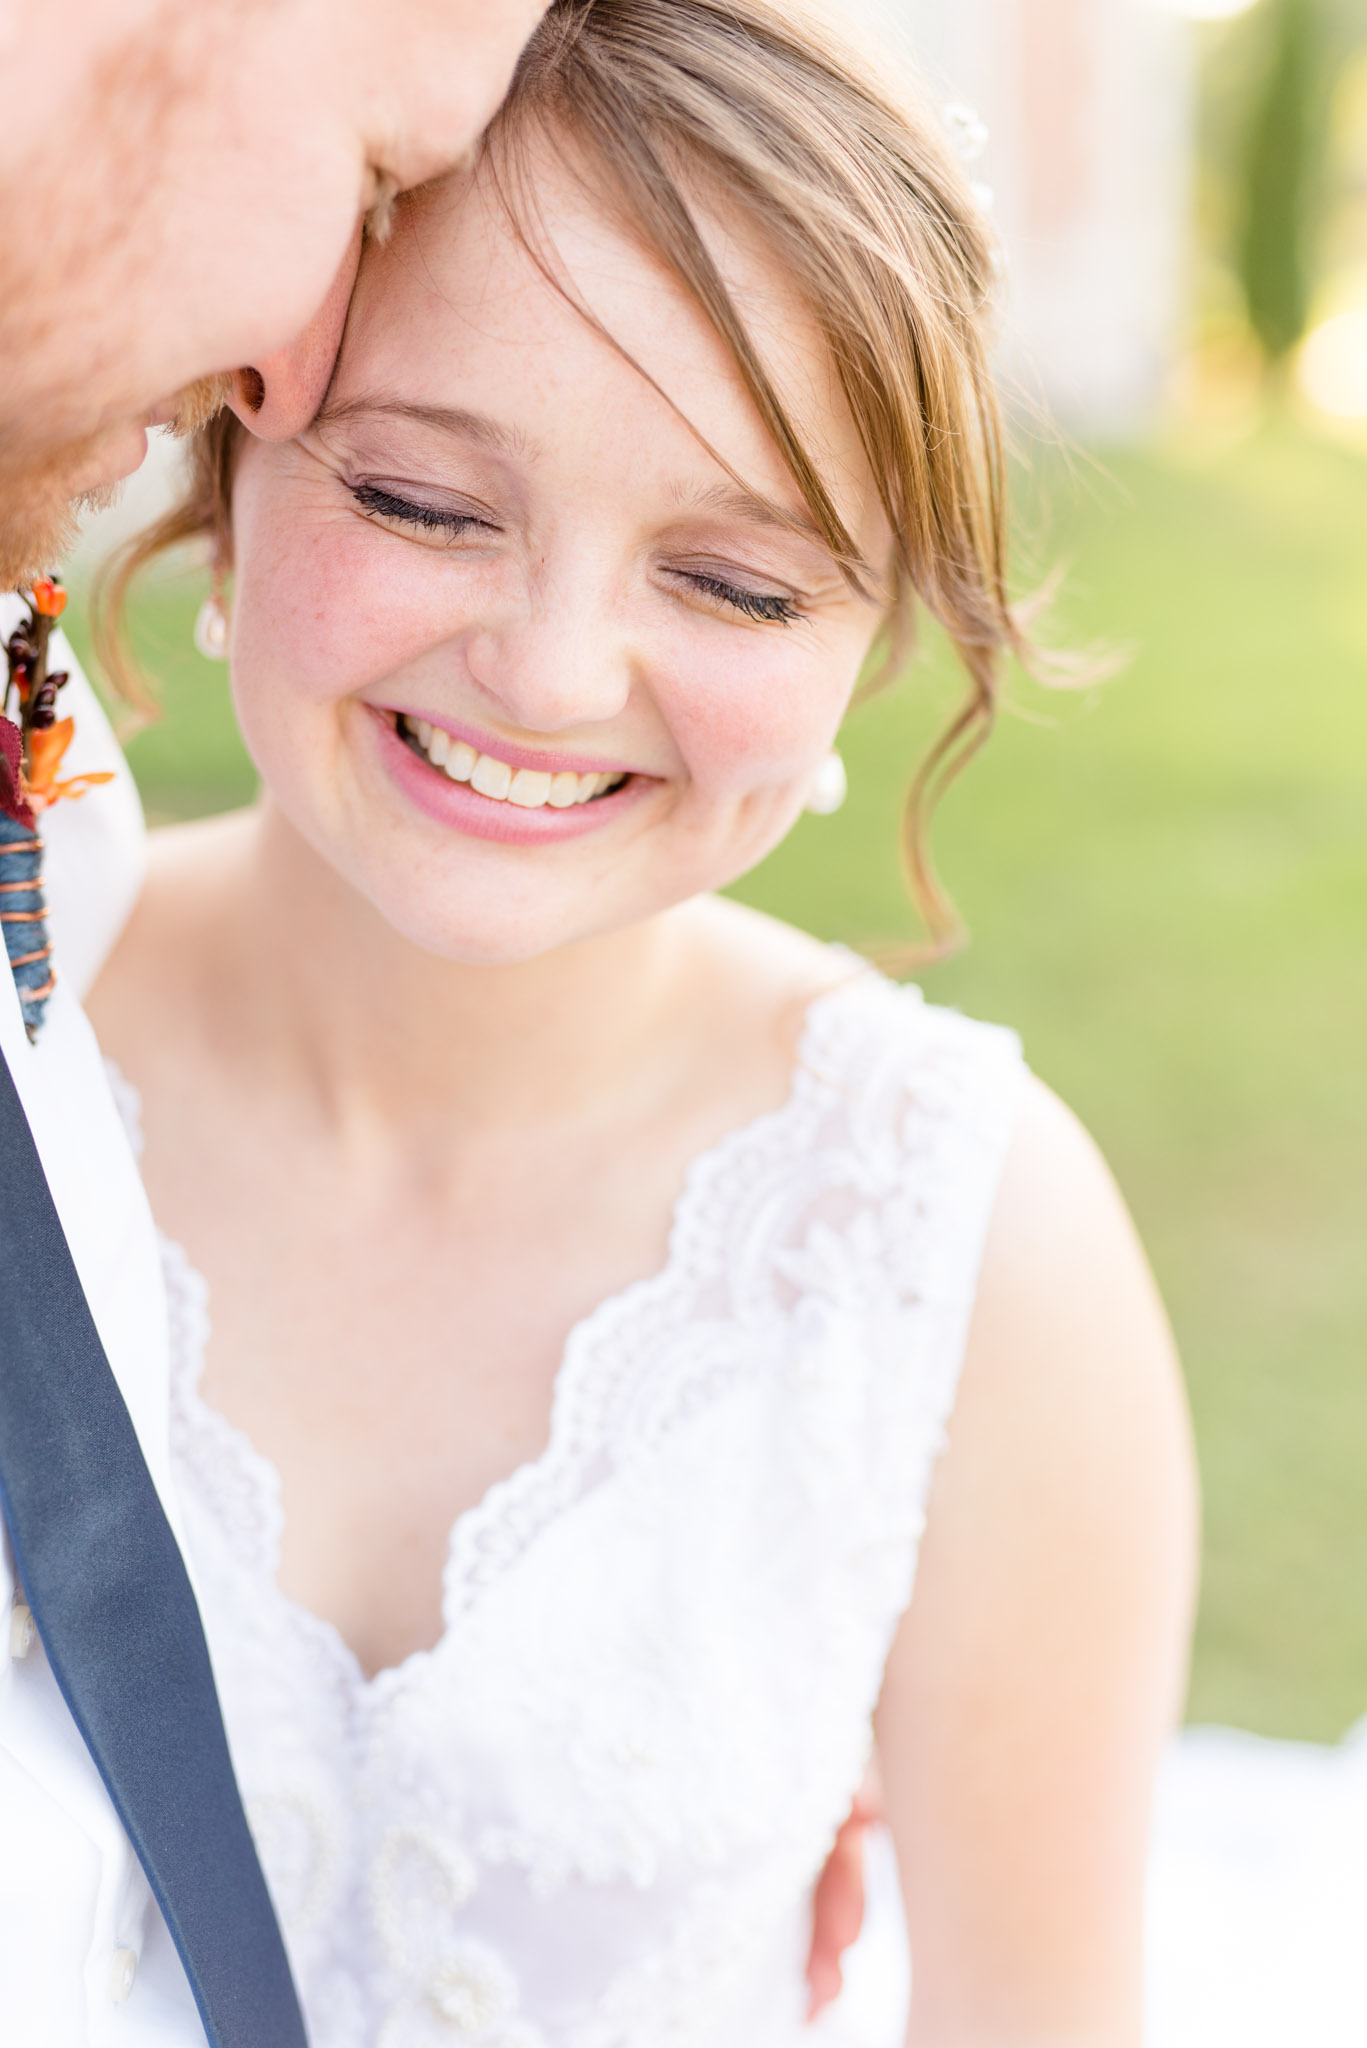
(502, 565)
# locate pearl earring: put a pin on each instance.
(211, 627)
(829, 790)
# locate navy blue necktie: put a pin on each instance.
(109, 1591)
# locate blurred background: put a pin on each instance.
(1164, 876)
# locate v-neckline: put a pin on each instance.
(690, 1221)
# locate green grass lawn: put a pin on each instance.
(1166, 882)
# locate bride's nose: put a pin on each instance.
(554, 668)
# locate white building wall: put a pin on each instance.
(1089, 106)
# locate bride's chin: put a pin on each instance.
(492, 941)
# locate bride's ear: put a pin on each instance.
(277, 396)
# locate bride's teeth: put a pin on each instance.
(491, 778)
(530, 789)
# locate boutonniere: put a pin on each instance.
(33, 745)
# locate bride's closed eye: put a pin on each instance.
(765, 607)
(388, 508)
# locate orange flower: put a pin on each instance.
(45, 751)
(49, 598)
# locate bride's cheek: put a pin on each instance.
(316, 634)
(755, 733)
(315, 595)
(299, 655)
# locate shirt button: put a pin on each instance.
(122, 1971)
(22, 1629)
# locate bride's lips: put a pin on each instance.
(457, 805)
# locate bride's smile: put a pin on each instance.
(489, 789)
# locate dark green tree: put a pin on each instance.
(1281, 172)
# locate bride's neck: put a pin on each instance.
(377, 1027)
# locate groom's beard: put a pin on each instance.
(42, 497)
(40, 503)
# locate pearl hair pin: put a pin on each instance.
(968, 138)
(968, 133)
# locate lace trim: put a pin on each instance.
(245, 1487)
(128, 1103)
(236, 1483)
(899, 1095)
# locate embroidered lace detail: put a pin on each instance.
(592, 1815)
(242, 1487)
(128, 1102)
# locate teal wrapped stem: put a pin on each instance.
(23, 915)
(29, 706)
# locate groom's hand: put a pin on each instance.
(838, 1903)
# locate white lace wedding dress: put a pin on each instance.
(593, 1815)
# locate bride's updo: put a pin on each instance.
(856, 192)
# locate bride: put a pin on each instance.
(571, 1272)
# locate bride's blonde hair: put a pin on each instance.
(855, 191)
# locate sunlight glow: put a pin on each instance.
(1332, 366)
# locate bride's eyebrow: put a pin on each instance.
(737, 502)
(444, 419)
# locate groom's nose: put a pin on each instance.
(277, 396)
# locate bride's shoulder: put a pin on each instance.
(1061, 1247)
(1071, 1383)
(827, 1003)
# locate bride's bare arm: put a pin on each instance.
(1041, 1663)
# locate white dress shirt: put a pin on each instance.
(85, 1958)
